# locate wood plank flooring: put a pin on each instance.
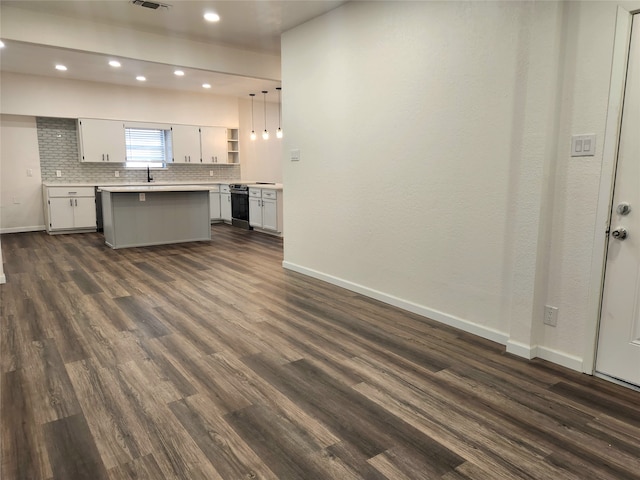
(209, 361)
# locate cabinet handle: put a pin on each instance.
(70, 202)
(103, 157)
(76, 202)
(72, 193)
(189, 158)
(185, 159)
(107, 157)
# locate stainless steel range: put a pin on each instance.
(240, 205)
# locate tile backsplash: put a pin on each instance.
(58, 145)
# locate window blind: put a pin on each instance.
(145, 146)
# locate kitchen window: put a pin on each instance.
(147, 147)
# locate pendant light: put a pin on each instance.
(265, 134)
(253, 132)
(279, 131)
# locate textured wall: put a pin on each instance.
(20, 193)
(435, 167)
(407, 116)
(58, 145)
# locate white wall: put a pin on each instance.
(261, 160)
(434, 169)
(20, 194)
(55, 97)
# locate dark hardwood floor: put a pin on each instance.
(208, 361)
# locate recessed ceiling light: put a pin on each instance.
(1, 44)
(206, 85)
(211, 17)
(114, 63)
(62, 68)
(179, 73)
(141, 78)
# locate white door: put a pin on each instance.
(185, 141)
(255, 212)
(61, 212)
(270, 215)
(619, 340)
(225, 206)
(84, 212)
(213, 144)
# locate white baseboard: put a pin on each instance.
(36, 228)
(522, 349)
(560, 358)
(436, 315)
(554, 356)
(3, 278)
(517, 348)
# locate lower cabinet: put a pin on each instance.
(70, 209)
(265, 209)
(270, 215)
(214, 204)
(225, 203)
(255, 212)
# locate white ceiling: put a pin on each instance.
(246, 24)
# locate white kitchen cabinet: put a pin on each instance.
(225, 203)
(101, 141)
(270, 215)
(213, 145)
(255, 212)
(70, 209)
(265, 209)
(185, 143)
(214, 203)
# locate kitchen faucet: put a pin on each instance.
(149, 177)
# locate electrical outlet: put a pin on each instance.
(58, 173)
(211, 173)
(550, 316)
(29, 172)
(117, 173)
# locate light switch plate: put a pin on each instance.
(295, 155)
(583, 145)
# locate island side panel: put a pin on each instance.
(107, 219)
(157, 218)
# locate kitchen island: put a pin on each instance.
(144, 215)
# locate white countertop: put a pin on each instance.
(102, 185)
(266, 186)
(154, 188)
(118, 184)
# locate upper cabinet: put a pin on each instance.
(213, 144)
(101, 141)
(185, 141)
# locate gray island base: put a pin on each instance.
(139, 216)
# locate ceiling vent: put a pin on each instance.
(151, 5)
